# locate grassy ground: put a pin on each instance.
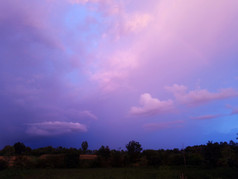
(121, 173)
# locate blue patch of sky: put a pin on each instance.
(75, 77)
(76, 21)
(227, 124)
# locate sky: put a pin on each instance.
(160, 72)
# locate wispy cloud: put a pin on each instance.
(77, 114)
(163, 125)
(151, 106)
(206, 117)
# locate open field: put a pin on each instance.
(121, 173)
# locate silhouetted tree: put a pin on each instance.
(20, 148)
(84, 146)
(104, 152)
(8, 150)
(232, 143)
(117, 158)
(43, 150)
(153, 157)
(212, 153)
(133, 148)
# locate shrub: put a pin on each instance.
(3, 164)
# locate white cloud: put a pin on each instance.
(54, 128)
(151, 106)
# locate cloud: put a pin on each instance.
(205, 117)
(54, 128)
(200, 96)
(127, 24)
(151, 106)
(163, 125)
(118, 67)
(106, 7)
(89, 114)
(234, 109)
(57, 56)
(77, 114)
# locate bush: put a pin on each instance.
(3, 164)
(71, 160)
(24, 162)
(51, 161)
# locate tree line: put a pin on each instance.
(216, 154)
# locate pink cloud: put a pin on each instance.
(234, 109)
(151, 106)
(164, 125)
(205, 117)
(67, 114)
(115, 56)
(117, 68)
(166, 27)
(89, 114)
(128, 24)
(200, 96)
(80, 114)
(54, 128)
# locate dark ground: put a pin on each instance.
(121, 173)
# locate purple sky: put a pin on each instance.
(160, 72)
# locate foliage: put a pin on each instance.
(71, 160)
(133, 148)
(8, 150)
(23, 162)
(104, 152)
(84, 146)
(20, 148)
(3, 164)
(211, 155)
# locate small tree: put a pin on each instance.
(8, 150)
(20, 148)
(84, 146)
(104, 152)
(134, 148)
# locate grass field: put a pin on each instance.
(121, 173)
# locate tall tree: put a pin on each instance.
(20, 148)
(104, 152)
(84, 146)
(134, 148)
